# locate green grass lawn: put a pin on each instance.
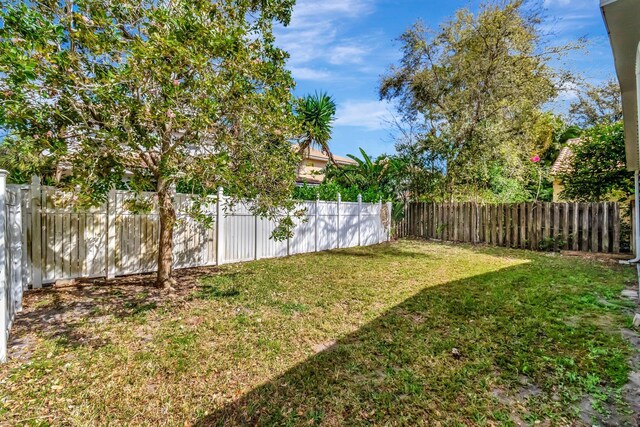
(410, 333)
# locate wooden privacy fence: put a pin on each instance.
(595, 227)
(44, 239)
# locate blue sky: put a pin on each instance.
(344, 46)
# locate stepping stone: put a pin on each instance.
(630, 293)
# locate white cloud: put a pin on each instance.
(569, 93)
(570, 15)
(372, 115)
(314, 35)
(568, 24)
(575, 4)
(346, 54)
(305, 73)
(551, 3)
(313, 8)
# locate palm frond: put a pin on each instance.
(316, 114)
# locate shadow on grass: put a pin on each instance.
(496, 348)
(530, 341)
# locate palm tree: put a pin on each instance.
(316, 114)
(384, 174)
(370, 171)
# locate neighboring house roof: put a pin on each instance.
(563, 162)
(313, 173)
(313, 154)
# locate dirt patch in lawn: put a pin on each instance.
(56, 312)
(596, 256)
(606, 412)
(631, 391)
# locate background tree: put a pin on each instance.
(597, 170)
(377, 179)
(422, 171)
(474, 90)
(554, 133)
(598, 104)
(316, 114)
(180, 91)
(380, 178)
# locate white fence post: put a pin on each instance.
(26, 262)
(380, 210)
(14, 249)
(36, 232)
(359, 219)
(4, 324)
(111, 235)
(289, 243)
(338, 227)
(316, 225)
(220, 228)
(389, 207)
(255, 240)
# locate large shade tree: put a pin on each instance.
(171, 91)
(474, 90)
(597, 104)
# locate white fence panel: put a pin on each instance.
(371, 224)
(240, 232)
(121, 237)
(195, 240)
(69, 243)
(266, 247)
(349, 223)
(304, 233)
(327, 226)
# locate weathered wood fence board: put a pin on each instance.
(587, 227)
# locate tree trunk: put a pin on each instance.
(167, 222)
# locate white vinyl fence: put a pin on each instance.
(44, 239)
(12, 259)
